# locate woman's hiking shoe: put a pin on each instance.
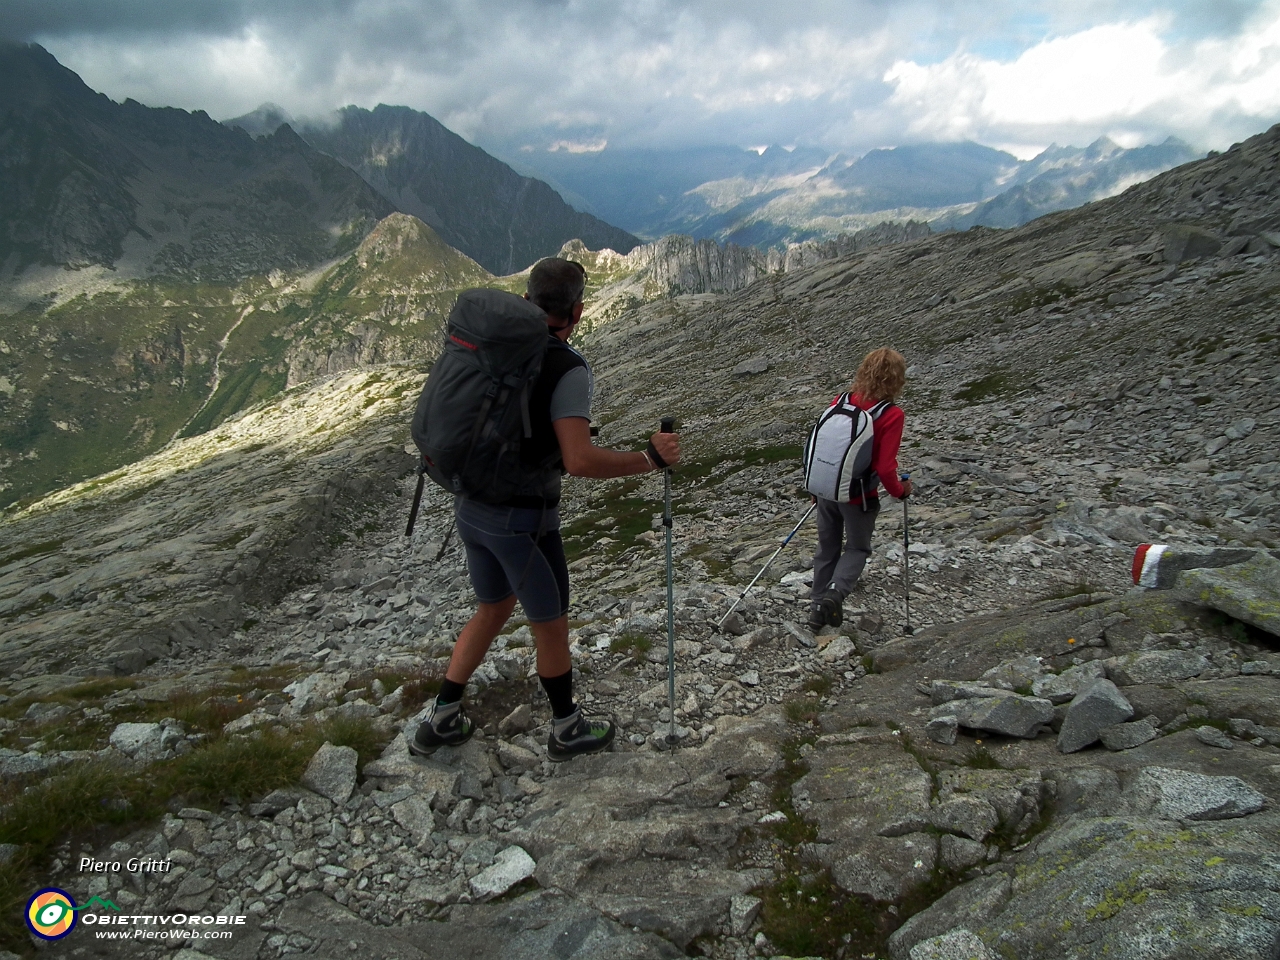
(832, 605)
(575, 735)
(817, 616)
(446, 726)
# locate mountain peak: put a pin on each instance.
(267, 119)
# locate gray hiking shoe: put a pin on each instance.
(575, 735)
(445, 726)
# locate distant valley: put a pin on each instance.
(779, 196)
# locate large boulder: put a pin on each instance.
(1154, 666)
(1141, 888)
(1183, 795)
(1062, 687)
(1011, 715)
(1247, 591)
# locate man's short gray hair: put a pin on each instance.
(556, 285)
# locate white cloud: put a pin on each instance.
(844, 74)
(1127, 80)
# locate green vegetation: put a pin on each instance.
(992, 385)
(634, 645)
(99, 800)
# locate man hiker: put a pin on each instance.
(845, 525)
(513, 548)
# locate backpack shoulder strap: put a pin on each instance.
(879, 409)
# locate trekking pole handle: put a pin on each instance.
(668, 425)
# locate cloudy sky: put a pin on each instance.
(578, 74)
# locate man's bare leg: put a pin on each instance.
(474, 640)
(552, 640)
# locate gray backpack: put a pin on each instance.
(473, 414)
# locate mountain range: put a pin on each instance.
(777, 196)
(476, 203)
(142, 191)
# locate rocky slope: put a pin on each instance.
(1048, 765)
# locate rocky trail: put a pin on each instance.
(1052, 763)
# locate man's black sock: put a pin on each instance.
(560, 693)
(450, 692)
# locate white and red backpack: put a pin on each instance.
(837, 458)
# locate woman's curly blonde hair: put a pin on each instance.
(881, 375)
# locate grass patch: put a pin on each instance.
(805, 914)
(634, 645)
(1080, 588)
(35, 550)
(802, 709)
(992, 385)
(820, 683)
(979, 758)
(418, 685)
(242, 767)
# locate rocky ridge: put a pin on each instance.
(813, 779)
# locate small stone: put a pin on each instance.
(415, 815)
(748, 368)
(510, 867)
(142, 741)
(519, 720)
(1213, 737)
(743, 910)
(942, 729)
(1097, 706)
(1126, 736)
(840, 648)
(332, 772)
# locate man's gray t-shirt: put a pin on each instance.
(572, 395)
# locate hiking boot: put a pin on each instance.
(575, 735)
(446, 726)
(817, 616)
(832, 606)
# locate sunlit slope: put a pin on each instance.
(104, 380)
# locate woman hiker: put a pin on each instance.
(845, 528)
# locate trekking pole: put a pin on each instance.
(768, 563)
(668, 426)
(417, 497)
(906, 565)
